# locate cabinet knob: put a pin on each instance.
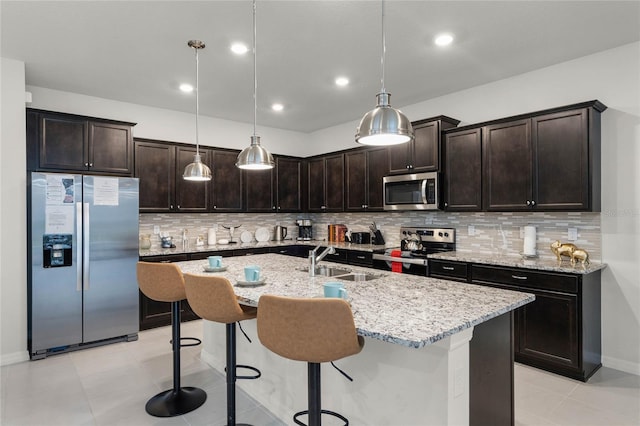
(528, 202)
(279, 207)
(533, 203)
(323, 207)
(215, 207)
(178, 206)
(273, 207)
(446, 204)
(86, 164)
(90, 164)
(171, 206)
(408, 166)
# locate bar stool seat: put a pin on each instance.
(164, 282)
(213, 299)
(312, 330)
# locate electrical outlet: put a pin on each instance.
(471, 230)
(156, 229)
(572, 234)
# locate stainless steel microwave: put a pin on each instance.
(417, 191)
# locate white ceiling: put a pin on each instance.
(136, 51)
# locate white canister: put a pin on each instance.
(529, 248)
(211, 237)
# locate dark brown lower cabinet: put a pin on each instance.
(157, 314)
(560, 331)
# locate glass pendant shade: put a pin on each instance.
(197, 171)
(384, 125)
(255, 157)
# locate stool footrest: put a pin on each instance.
(248, 367)
(195, 341)
(331, 413)
(171, 403)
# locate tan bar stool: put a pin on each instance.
(311, 330)
(213, 299)
(164, 282)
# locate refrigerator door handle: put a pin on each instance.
(85, 245)
(78, 247)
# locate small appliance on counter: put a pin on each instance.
(336, 233)
(415, 245)
(279, 233)
(305, 230)
(360, 238)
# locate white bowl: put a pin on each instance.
(223, 241)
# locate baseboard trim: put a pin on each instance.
(14, 358)
(622, 365)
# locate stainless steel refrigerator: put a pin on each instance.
(83, 249)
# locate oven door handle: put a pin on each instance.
(411, 260)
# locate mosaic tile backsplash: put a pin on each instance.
(483, 232)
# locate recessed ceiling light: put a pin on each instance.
(443, 39)
(342, 81)
(277, 107)
(186, 88)
(239, 48)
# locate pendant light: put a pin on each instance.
(255, 157)
(197, 171)
(384, 125)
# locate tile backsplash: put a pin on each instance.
(482, 232)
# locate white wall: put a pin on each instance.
(612, 77)
(13, 213)
(164, 124)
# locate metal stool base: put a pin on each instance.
(331, 413)
(171, 403)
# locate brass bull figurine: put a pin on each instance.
(571, 251)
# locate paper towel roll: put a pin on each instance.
(529, 240)
(211, 237)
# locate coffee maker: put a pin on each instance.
(305, 230)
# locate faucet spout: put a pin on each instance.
(314, 258)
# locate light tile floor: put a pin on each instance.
(110, 385)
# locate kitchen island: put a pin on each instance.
(414, 368)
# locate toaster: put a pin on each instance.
(361, 238)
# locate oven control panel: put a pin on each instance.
(436, 235)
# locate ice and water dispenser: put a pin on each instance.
(57, 250)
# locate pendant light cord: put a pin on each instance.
(255, 73)
(197, 99)
(384, 49)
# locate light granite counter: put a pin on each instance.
(542, 264)
(156, 250)
(404, 309)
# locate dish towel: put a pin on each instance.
(396, 266)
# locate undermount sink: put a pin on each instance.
(359, 276)
(328, 271)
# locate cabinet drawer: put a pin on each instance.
(339, 256)
(360, 258)
(204, 254)
(524, 278)
(442, 269)
(165, 258)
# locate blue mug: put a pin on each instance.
(335, 289)
(215, 261)
(252, 273)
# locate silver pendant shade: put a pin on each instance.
(197, 171)
(384, 125)
(255, 157)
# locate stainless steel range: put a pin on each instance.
(415, 245)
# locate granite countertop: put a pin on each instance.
(516, 261)
(403, 309)
(156, 250)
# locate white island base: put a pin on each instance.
(393, 384)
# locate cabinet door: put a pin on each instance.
(356, 180)
(289, 184)
(110, 148)
(426, 152)
(560, 146)
(259, 190)
(334, 178)
(463, 171)
(507, 160)
(155, 167)
(377, 168)
(548, 330)
(190, 196)
(316, 184)
(63, 143)
(400, 158)
(227, 182)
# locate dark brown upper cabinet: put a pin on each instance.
(547, 161)
(423, 153)
(260, 190)
(289, 184)
(67, 142)
(462, 170)
(227, 182)
(159, 166)
(326, 183)
(364, 170)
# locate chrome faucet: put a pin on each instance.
(313, 259)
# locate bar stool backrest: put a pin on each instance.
(213, 299)
(312, 330)
(161, 281)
